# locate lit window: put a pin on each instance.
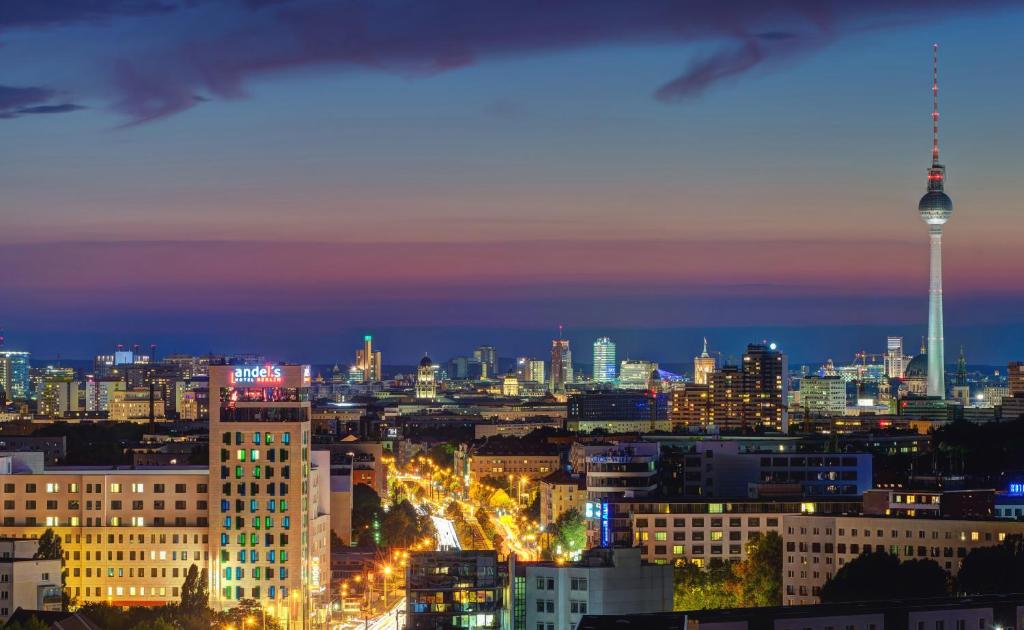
(52, 487)
(115, 488)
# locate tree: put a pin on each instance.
(105, 616)
(50, 549)
(32, 623)
(247, 614)
(195, 591)
(401, 525)
(998, 569)
(880, 575)
(159, 623)
(366, 514)
(759, 576)
(570, 531)
(700, 589)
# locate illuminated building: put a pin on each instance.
(456, 589)
(823, 395)
(604, 360)
(618, 412)
(14, 374)
(57, 395)
(729, 398)
(270, 525)
(622, 470)
(426, 381)
(560, 492)
(136, 404)
(561, 363)
(895, 361)
(935, 209)
(688, 406)
(487, 357)
(703, 365)
(367, 368)
(99, 393)
(636, 374)
(530, 370)
(826, 543)
(498, 459)
(915, 377)
(768, 372)
(509, 385)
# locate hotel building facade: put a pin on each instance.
(257, 519)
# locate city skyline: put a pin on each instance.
(805, 209)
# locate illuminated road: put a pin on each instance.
(446, 536)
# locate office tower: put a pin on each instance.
(426, 381)
(368, 362)
(636, 373)
(456, 589)
(1015, 378)
(823, 395)
(895, 363)
(270, 531)
(487, 356)
(530, 370)
(935, 208)
(604, 360)
(768, 373)
(14, 374)
(703, 365)
(561, 363)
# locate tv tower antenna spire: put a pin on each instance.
(935, 104)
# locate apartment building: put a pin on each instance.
(816, 546)
(552, 596)
(26, 582)
(560, 492)
(534, 461)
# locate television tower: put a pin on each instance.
(935, 208)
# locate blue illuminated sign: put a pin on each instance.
(1017, 488)
(606, 526)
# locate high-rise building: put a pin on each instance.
(271, 533)
(768, 373)
(604, 360)
(368, 362)
(935, 209)
(456, 589)
(729, 398)
(703, 365)
(561, 363)
(426, 380)
(487, 356)
(895, 360)
(636, 373)
(688, 406)
(14, 374)
(530, 370)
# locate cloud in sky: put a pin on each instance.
(19, 101)
(241, 39)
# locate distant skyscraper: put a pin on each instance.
(530, 370)
(894, 357)
(488, 358)
(14, 374)
(604, 360)
(935, 209)
(368, 362)
(561, 363)
(703, 365)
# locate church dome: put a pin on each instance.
(426, 362)
(918, 367)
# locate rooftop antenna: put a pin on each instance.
(560, 332)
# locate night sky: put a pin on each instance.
(285, 176)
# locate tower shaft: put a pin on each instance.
(936, 341)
